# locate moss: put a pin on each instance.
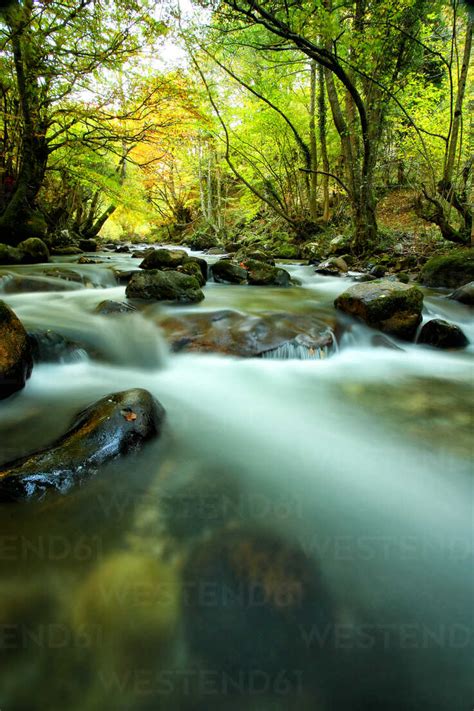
(451, 270)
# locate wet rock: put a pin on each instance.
(277, 335)
(261, 274)
(362, 278)
(33, 251)
(452, 271)
(216, 250)
(164, 258)
(122, 249)
(16, 359)
(88, 245)
(377, 271)
(265, 591)
(442, 334)
(465, 294)
(88, 260)
(114, 426)
(332, 267)
(391, 307)
(10, 255)
(123, 277)
(158, 285)
(65, 274)
(65, 251)
(403, 277)
(112, 308)
(226, 272)
(51, 347)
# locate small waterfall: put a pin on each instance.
(295, 351)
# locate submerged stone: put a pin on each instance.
(265, 592)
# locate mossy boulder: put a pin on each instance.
(202, 264)
(10, 255)
(200, 241)
(194, 270)
(16, 359)
(391, 307)
(451, 271)
(262, 593)
(442, 334)
(157, 285)
(261, 274)
(226, 272)
(33, 251)
(113, 426)
(164, 259)
(256, 254)
(465, 294)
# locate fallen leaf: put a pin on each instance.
(129, 415)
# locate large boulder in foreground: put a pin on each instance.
(451, 271)
(157, 285)
(391, 307)
(113, 426)
(33, 251)
(442, 334)
(16, 360)
(164, 258)
(465, 294)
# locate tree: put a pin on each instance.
(365, 64)
(56, 52)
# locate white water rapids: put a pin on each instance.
(353, 456)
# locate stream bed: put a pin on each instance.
(341, 486)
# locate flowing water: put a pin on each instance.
(361, 459)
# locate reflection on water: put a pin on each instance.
(299, 539)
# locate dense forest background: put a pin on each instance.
(291, 122)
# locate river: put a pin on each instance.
(361, 459)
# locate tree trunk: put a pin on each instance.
(20, 219)
(313, 178)
(323, 142)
